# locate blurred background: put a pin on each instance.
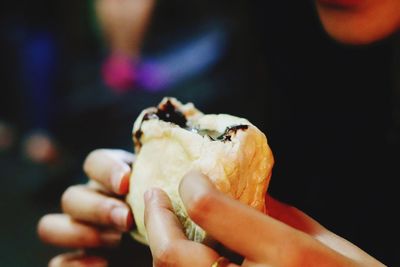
(75, 75)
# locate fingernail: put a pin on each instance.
(110, 238)
(120, 217)
(116, 182)
(124, 184)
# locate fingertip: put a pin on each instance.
(195, 178)
(60, 230)
(124, 185)
(40, 228)
(193, 174)
(194, 185)
(151, 202)
(157, 196)
(120, 181)
(111, 168)
(155, 200)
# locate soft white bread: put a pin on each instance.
(173, 138)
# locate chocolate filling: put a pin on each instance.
(226, 136)
(168, 112)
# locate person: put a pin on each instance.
(284, 237)
(128, 67)
(123, 24)
(31, 43)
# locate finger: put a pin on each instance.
(258, 237)
(168, 243)
(77, 259)
(85, 204)
(292, 216)
(301, 221)
(110, 168)
(62, 231)
(160, 219)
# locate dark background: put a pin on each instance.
(329, 112)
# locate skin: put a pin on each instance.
(363, 22)
(124, 23)
(88, 221)
(94, 216)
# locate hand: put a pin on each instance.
(93, 215)
(285, 237)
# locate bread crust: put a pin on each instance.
(230, 150)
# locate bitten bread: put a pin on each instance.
(174, 138)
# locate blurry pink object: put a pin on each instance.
(119, 73)
(40, 148)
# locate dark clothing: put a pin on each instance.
(328, 113)
(331, 124)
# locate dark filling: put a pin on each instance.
(236, 128)
(138, 134)
(168, 112)
(226, 136)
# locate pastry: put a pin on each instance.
(174, 138)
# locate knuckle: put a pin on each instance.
(200, 206)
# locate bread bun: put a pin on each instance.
(172, 139)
